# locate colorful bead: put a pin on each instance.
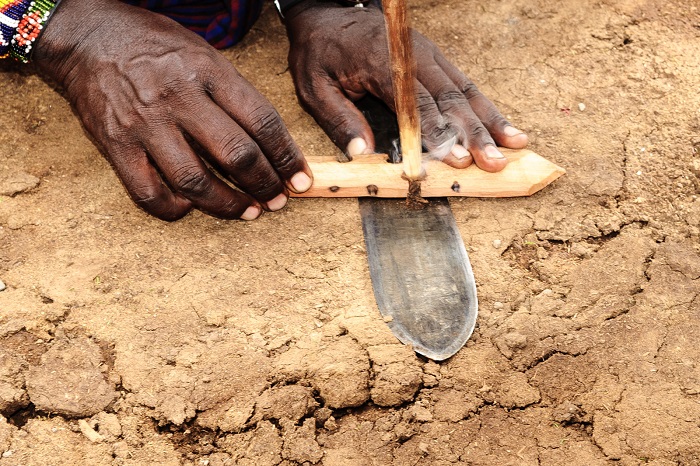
(21, 23)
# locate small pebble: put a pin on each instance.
(330, 424)
(581, 106)
(497, 243)
(2, 286)
(89, 432)
(498, 305)
(120, 449)
(7, 454)
(515, 340)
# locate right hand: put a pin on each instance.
(165, 106)
(339, 54)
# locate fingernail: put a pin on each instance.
(300, 182)
(357, 146)
(251, 213)
(493, 153)
(459, 151)
(511, 131)
(277, 203)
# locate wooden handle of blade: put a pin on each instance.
(403, 70)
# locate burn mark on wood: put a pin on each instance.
(414, 200)
(372, 189)
(334, 189)
(456, 187)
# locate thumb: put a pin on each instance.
(340, 119)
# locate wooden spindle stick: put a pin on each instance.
(403, 70)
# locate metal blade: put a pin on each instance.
(421, 275)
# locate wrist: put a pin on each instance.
(68, 30)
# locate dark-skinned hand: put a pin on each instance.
(338, 54)
(172, 115)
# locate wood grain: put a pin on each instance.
(525, 174)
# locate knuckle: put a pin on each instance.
(310, 82)
(287, 162)
(450, 96)
(238, 153)
(339, 128)
(494, 119)
(477, 134)
(148, 197)
(270, 132)
(437, 130)
(265, 121)
(191, 181)
(267, 187)
(234, 207)
(425, 103)
(307, 95)
(469, 89)
(153, 200)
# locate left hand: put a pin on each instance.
(338, 54)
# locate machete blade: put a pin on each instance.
(422, 279)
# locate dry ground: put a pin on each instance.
(128, 341)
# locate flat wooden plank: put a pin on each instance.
(525, 174)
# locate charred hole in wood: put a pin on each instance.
(455, 187)
(372, 189)
(414, 199)
(334, 189)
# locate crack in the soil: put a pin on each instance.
(549, 354)
(624, 190)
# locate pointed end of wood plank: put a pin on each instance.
(525, 174)
(532, 171)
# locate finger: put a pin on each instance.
(503, 132)
(145, 186)
(337, 115)
(459, 157)
(236, 155)
(477, 140)
(474, 137)
(260, 120)
(188, 175)
(438, 134)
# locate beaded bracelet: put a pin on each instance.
(21, 23)
(11, 13)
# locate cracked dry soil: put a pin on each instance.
(128, 341)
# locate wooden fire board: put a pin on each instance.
(372, 176)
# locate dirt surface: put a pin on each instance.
(128, 341)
